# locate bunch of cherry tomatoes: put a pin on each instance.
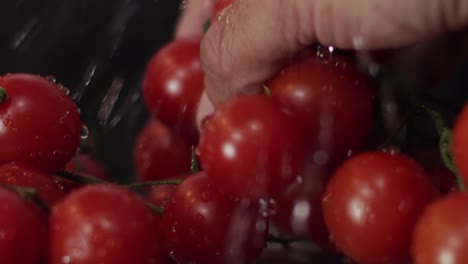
(298, 161)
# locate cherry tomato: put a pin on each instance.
(251, 147)
(104, 224)
(84, 164)
(460, 143)
(298, 211)
(160, 153)
(332, 100)
(173, 84)
(218, 6)
(372, 203)
(39, 123)
(23, 233)
(202, 225)
(28, 176)
(161, 195)
(441, 233)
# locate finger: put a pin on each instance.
(253, 38)
(205, 108)
(194, 16)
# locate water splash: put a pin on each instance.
(24, 33)
(109, 101)
(84, 132)
(85, 81)
(130, 101)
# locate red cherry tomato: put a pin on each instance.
(332, 101)
(372, 203)
(251, 148)
(173, 84)
(201, 225)
(218, 6)
(28, 176)
(39, 123)
(460, 143)
(160, 153)
(298, 211)
(23, 232)
(84, 164)
(441, 233)
(160, 195)
(104, 224)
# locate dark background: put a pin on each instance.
(98, 49)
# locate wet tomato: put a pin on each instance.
(372, 203)
(202, 225)
(460, 143)
(298, 211)
(160, 153)
(23, 232)
(104, 224)
(173, 84)
(24, 175)
(441, 234)
(332, 101)
(84, 164)
(39, 123)
(251, 147)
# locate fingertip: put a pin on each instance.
(205, 108)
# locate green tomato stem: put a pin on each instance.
(27, 193)
(79, 178)
(157, 209)
(195, 164)
(445, 143)
(152, 183)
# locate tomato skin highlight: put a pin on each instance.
(372, 203)
(202, 225)
(441, 234)
(104, 224)
(39, 123)
(460, 143)
(173, 84)
(251, 148)
(331, 99)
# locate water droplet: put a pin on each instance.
(84, 132)
(64, 89)
(184, 4)
(51, 78)
(2, 235)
